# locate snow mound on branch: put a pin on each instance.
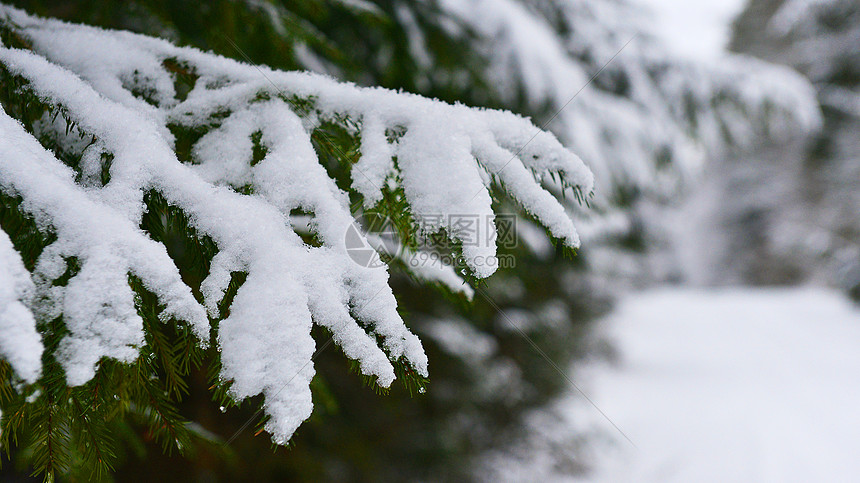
(121, 91)
(20, 344)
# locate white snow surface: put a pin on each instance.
(741, 385)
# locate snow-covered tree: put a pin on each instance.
(112, 140)
(796, 219)
(169, 208)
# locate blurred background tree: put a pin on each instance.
(796, 218)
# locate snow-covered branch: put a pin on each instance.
(127, 103)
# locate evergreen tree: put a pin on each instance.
(797, 219)
(96, 406)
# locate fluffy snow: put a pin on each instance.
(97, 303)
(20, 344)
(734, 385)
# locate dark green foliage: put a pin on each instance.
(28, 240)
(337, 147)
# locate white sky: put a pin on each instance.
(695, 28)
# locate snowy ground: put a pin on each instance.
(738, 385)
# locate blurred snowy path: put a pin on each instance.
(737, 385)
